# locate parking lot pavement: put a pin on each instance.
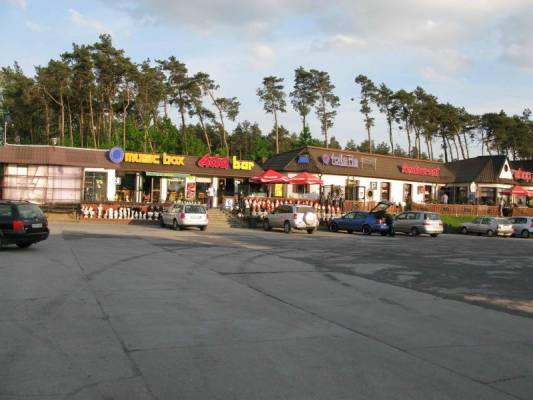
(132, 312)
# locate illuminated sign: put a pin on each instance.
(165, 159)
(417, 170)
(242, 165)
(340, 160)
(116, 155)
(303, 159)
(522, 175)
(213, 162)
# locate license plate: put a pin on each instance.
(36, 225)
(196, 216)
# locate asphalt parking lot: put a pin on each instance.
(131, 312)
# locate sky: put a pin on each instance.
(476, 53)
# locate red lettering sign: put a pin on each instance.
(417, 170)
(213, 162)
(522, 175)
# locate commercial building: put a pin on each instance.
(65, 175)
(56, 175)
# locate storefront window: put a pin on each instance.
(488, 195)
(428, 193)
(42, 183)
(407, 192)
(300, 189)
(126, 187)
(176, 189)
(385, 191)
(95, 187)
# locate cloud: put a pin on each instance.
(450, 60)
(86, 22)
(262, 55)
(32, 26)
(18, 3)
(339, 42)
(517, 41)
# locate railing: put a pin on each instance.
(458, 209)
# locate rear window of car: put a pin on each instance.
(5, 210)
(432, 217)
(518, 220)
(304, 209)
(29, 211)
(194, 209)
(502, 221)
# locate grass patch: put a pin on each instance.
(452, 223)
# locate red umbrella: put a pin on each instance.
(270, 176)
(305, 178)
(516, 190)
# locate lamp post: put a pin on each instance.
(7, 121)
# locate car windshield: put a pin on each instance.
(191, 209)
(30, 211)
(304, 209)
(432, 217)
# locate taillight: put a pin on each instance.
(426, 223)
(295, 216)
(18, 225)
(379, 221)
(531, 226)
(45, 223)
(182, 215)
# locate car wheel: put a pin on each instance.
(23, 245)
(266, 225)
(367, 230)
(434, 235)
(383, 233)
(333, 227)
(490, 233)
(203, 228)
(162, 223)
(525, 233)
(175, 225)
(349, 231)
(414, 232)
(1, 242)
(463, 230)
(311, 231)
(287, 227)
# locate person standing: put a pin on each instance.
(444, 198)
(210, 195)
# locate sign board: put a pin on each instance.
(303, 159)
(143, 158)
(520, 175)
(242, 165)
(208, 161)
(278, 190)
(417, 170)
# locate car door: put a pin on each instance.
(359, 220)
(274, 218)
(399, 222)
(485, 225)
(346, 221)
(474, 226)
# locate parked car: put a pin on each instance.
(522, 226)
(367, 222)
(415, 223)
(22, 223)
(180, 216)
(291, 216)
(488, 225)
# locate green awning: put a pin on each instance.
(167, 174)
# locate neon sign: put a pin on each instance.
(417, 170)
(522, 175)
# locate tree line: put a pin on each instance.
(95, 96)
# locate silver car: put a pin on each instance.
(180, 216)
(418, 222)
(522, 226)
(488, 225)
(291, 216)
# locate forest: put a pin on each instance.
(94, 96)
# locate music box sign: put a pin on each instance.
(164, 159)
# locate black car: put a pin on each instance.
(22, 223)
